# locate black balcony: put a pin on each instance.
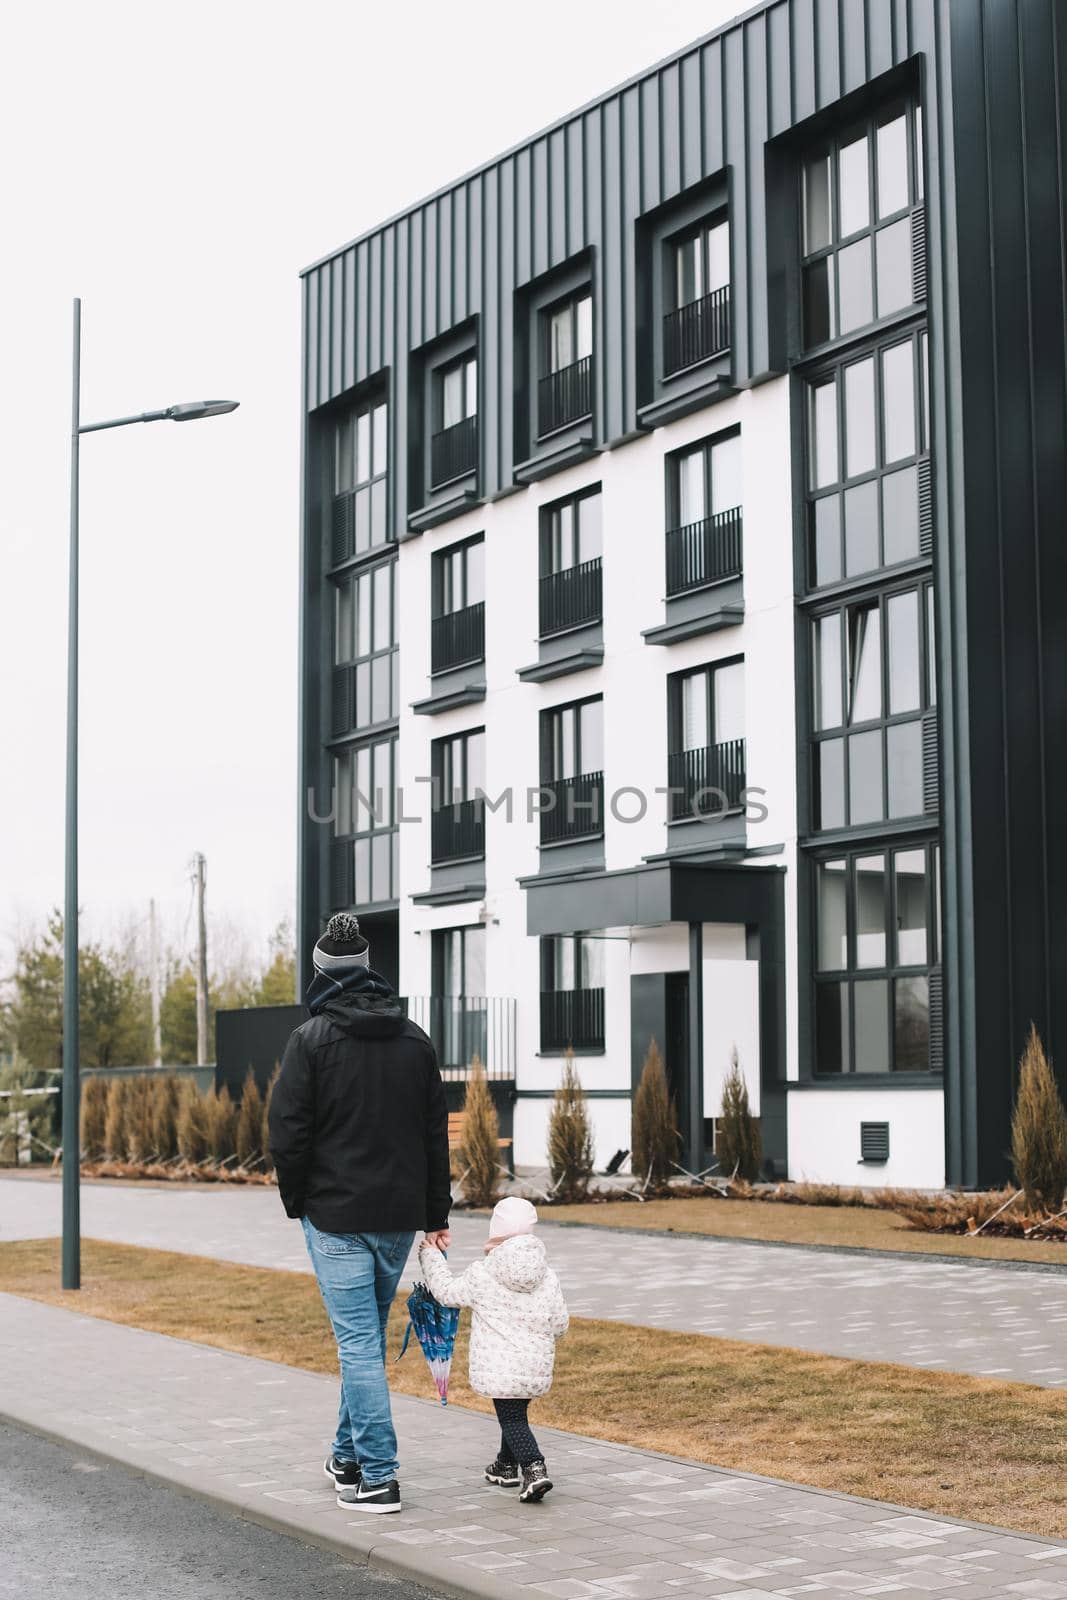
(457, 637)
(454, 452)
(572, 1018)
(697, 331)
(464, 1026)
(457, 830)
(565, 396)
(570, 598)
(575, 809)
(707, 782)
(704, 552)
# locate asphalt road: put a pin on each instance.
(71, 1525)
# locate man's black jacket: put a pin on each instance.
(358, 1121)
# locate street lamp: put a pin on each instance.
(190, 411)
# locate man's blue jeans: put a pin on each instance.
(358, 1274)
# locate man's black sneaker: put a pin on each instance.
(535, 1482)
(504, 1473)
(343, 1473)
(379, 1497)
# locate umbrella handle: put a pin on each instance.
(407, 1337)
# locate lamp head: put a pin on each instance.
(193, 410)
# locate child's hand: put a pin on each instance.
(439, 1240)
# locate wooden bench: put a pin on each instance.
(456, 1123)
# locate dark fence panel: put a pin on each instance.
(454, 451)
(565, 396)
(457, 637)
(457, 830)
(256, 1037)
(570, 598)
(573, 1017)
(579, 807)
(704, 776)
(697, 331)
(704, 552)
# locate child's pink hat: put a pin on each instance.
(512, 1215)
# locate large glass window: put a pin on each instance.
(876, 939)
(704, 480)
(360, 467)
(572, 961)
(365, 638)
(458, 1011)
(572, 740)
(571, 532)
(872, 685)
(570, 333)
(459, 577)
(457, 392)
(867, 435)
(572, 992)
(366, 811)
(459, 767)
(701, 262)
(858, 195)
(706, 740)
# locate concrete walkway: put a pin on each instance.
(985, 1320)
(621, 1525)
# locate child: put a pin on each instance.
(518, 1313)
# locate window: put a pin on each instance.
(572, 992)
(868, 481)
(572, 758)
(873, 683)
(458, 1007)
(457, 633)
(701, 262)
(704, 513)
(565, 391)
(454, 441)
(365, 644)
(876, 941)
(571, 540)
(457, 828)
(858, 203)
(706, 729)
(366, 811)
(698, 325)
(360, 464)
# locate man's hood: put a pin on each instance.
(358, 1001)
(519, 1264)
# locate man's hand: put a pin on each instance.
(441, 1238)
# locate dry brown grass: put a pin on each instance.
(951, 1445)
(838, 1223)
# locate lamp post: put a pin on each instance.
(191, 411)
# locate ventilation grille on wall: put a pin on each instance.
(931, 765)
(918, 253)
(926, 509)
(874, 1141)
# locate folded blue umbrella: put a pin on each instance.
(435, 1328)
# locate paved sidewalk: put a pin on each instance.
(986, 1320)
(621, 1525)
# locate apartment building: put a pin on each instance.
(682, 630)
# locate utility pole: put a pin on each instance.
(200, 867)
(153, 977)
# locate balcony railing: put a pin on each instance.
(465, 1026)
(572, 1018)
(573, 807)
(707, 782)
(570, 598)
(696, 331)
(457, 830)
(704, 552)
(565, 396)
(457, 637)
(454, 451)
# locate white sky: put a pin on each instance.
(176, 167)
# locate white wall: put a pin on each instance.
(824, 1137)
(730, 1014)
(632, 680)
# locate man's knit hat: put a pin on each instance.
(342, 945)
(512, 1215)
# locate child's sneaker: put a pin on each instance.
(503, 1473)
(535, 1482)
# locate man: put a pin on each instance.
(359, 1137)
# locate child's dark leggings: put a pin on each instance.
(517, 1443)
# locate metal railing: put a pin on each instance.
(457, 637)
(457, 829)
(696, 331)
(704, 552)
(576, 808)
(465, 1026)
(454, 451)
(572, 1017)
(706, 782)
(564, 396)
(569, 598)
